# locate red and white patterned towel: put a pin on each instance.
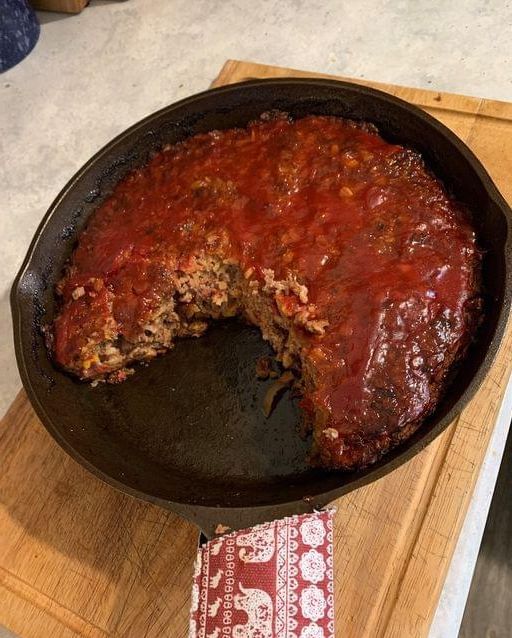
(270, 581)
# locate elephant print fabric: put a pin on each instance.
(271, 581)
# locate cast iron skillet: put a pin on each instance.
(187, 431)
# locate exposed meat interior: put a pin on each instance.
(344, 249)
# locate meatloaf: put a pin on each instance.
(344, 249)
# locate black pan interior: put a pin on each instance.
(188, 429)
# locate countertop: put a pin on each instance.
(92, 75)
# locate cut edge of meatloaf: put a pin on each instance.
(211, 288)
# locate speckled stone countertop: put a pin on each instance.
(90, 76)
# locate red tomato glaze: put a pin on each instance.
(389, 259)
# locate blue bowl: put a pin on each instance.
(19, 31)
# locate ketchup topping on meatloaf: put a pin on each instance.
(344, 249)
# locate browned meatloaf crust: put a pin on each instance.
(344, 249)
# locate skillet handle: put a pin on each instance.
(215, 521)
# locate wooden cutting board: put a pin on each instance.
(78, 558)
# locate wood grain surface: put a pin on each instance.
(65, 6)
(78, 558)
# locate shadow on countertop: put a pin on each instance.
(488, 612)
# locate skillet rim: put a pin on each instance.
(203, 514)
